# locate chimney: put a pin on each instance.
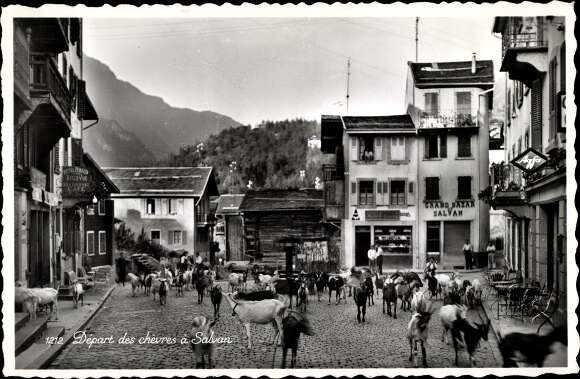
(473, 64)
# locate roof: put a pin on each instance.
(276, 200)
(89, 161)
(403, 121)
(229, 203)
(183, 181)
(449, 74)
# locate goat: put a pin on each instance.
(418, 301)
(472, 334)
(311, 283)
(46, 297)
(417, 332)
(470, 296)
(258, 312)
(335, 283)
(449, 314)
(368, 283)
(452, 297)
(530, 348)
(202, 282)
(390, 296)
(201, 331)
(288, 287)
(216, 300)
(302, 297)
(78, 294)
(235, 281)
(163, 289)
(432, 285)
(293, 325)
(360, 298)
(321, 283)
(27, 299)
(179, 283)
(477, 291)
(411, 276)
(379, 283)
(149, 283)
(404, 293)
(135, 282)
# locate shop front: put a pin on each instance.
(395, 241)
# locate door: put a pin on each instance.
(39, 251)
(455, 234)
(362, 245)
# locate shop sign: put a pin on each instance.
(530, 160)
(50, 198)
(77, 182)
(449, 209)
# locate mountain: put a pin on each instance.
(161, 128)
(111, 145)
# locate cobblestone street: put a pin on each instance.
(339, 342)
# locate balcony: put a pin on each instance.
(508, 188)
(448, 118)
(48, 34)
(47, 87)
(333, 192)
(204, 219)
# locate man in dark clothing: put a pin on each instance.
(121, 264)
(467, 251)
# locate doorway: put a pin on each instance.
(362, 245)
(39, 250)
(454, 235)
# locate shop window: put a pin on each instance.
(464, 187)
(433, 236)
(150, 209)
(463, 146)
(394, 240)
(432, 188)
(366, 192)
(366, 149)
(398, 192)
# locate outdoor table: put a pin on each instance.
(502, 291)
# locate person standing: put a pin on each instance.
(467, 252)
(379, 259)
(431, 267)
(372, 254)
(121, 265)
(490, 255)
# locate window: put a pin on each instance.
(431, 147)
(173, 206)
(432, 188)
(175, 237)
(432, 104)
(366, 149)
(397, 148)
(102, 242)
(366, 192)
(155, 236)
(464, 187)
(463, 146)
(102, 208)
(150, 206)
(398, 192)
(463, 103)
(91, 243)
(433, 236)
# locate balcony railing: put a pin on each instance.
(522, 41)
(507, 182)
(46, 80)
(448, 119)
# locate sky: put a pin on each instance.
(255, 69)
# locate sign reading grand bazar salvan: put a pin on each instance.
(410, 183)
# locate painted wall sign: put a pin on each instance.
(530, 160)
(77, 182)
(449, 209)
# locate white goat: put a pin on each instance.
(417, 333)
(235, 281)
(419, 301)
(448, 314)
(200, 336)
(78, 294)
(47, 296)
(135, 282)
(27, 299)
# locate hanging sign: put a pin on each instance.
(530, 160)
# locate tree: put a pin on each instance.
(124, 238)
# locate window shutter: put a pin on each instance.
(435, 103)
(407, 142)
(536, 115)
(426, 143)
(386, 200)
(378, 148)
(387, 148)
(443, 148)
(379, 193)
(184, 237)
(157, 207)
(353, 149)
(57, 158)
(164, 206)
(353, 193)
(436, 187)
(411, 194)
(81, 100)
(170, 237)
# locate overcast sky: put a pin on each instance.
(253, 69)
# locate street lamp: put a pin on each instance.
(95, 200)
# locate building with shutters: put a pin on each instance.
(534, 202)
(52, 185)
(450, 103)
(170, 204)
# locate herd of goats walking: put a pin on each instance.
(268, 300)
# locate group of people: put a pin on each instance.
(468, 253)
(375, 255)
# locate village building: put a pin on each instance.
(229, 230)
(52, 184)
(450, 104)
(284, 231)
(530, 185)
(171, 205)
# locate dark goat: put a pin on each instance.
(201, 283)
(404, 293)
(321, 283)
(452, 297)
(411, 276)
(292, 326)
(379, 283)
(390, 296)
(361, 295)
(179, 283)
(216, 299)
(433, 285)
(472, 334)
(302, 297)
(533, 348)
(368, 283)
(336, 283)
(288, 286)
(163, 289)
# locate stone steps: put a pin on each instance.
(27, 334)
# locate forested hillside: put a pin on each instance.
(270, 156)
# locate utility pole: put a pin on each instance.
(417, 39)
(347, 84)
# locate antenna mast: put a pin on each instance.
(347, 84)
(417, 39)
